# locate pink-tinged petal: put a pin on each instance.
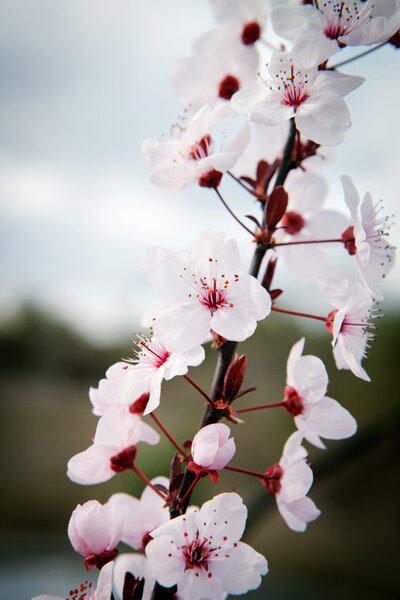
(223, 516)
(155, 390)
(130, 510)
(327, 224)
(335, 285)
(175, 177)
(104, 586)
(351, 196)
(296, 481)
(178, 527)
(136, 564)
(236, 579)
(294, 355)
(165, 561)
(216, 246)
(94, 528)
(336, 83)
(47, 597)
(347, 352)
(205, 446)
(112, 429)
(329, 419)
(246, 98)
(311, 378)
(92, 465)
(271, 111)
(107, 397)
(178, 363)
(235, 323)
(289, 21)
(197, 585)
(185, 325)
(292, 450)
(304, 262)
(224, 455)
(310, 436)
(298, 513)
(324, 119)
(136, 383)
(312, 47)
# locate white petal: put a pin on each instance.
(298, 513)
(92, 465)
(311, 378)
(294, 355)
(329, 419)
(235, 323)
(324, 119)
(166, 562)
(185, 325)
(241, 569)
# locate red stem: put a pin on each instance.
(167, 434)
(202, 392)
(243, 410)
(306, 242)
(246, 472)
(196, 479)
(298, 314)
(233, 214)
(240, 182)
(147, 481)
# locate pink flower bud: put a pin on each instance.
(212, 448)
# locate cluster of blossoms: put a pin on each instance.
(286, 118)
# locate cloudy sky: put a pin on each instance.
(81, 84)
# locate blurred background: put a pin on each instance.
(82, 83)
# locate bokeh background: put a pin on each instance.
(81, 84)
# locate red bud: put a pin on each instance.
(234, 378)
(276, 207)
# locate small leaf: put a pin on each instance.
(269, 273)
(254, 219)
(276, 207)
(275, 293)
(234, 378)
(175, 466)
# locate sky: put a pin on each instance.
(82, 83)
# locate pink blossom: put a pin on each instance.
(349, 323)
(140, 516)
(209, 292)
(94, 531)
(131, 381)
(314, 413)
(200, 552)
(307, 219)
(248, 19)
(113, 449)
(320, 31)
(212, 448)
(312, 97)
(289, 481)
(85, 590)
(192, 153)
(366, 238)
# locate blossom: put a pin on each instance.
(289, 481)
(220, 65)
(349, 322)
(366, 238)
(314, 413)
(319, 31)
(128, 382)
(94, 531)
(306, 219)
(248, 18)
(208, 292)
(212, 449)
(312, 97)
(85, 590)
(200, 552)
(140, 517)
(113, 449)
(191, 155)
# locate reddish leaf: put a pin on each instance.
(175, 467)
(269, 273)
(262, 170)
(276, 207)
(234, 378)
(275, 293)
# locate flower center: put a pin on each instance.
(200, 149)
(292, 86)
(196, 555)
(211, 290)
(340, 18)
(292, 222)
(123, 460)
(271, 479)
(97, 561)
(294, 403)
(82, 593)
(251, 33)
(148, 352)
(329, 321)
(228, 86)
(349, 241)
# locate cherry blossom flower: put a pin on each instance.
(209, 292)
(366, 238)
(320, 30)
(129, 382)
(85, 590)
(140, 517)
(200, 552)
(248, 18)
(192, 154)
(314, 413)
(312, 97)
(94, 531)
(289, 481)
(212, 449)
(113, 449)
(349, 322)
(306, 219)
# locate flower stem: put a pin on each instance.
(198, 388)
(306, 242)
(147, 481)
(260, 407)
(287, 162)
(298, 314)
(167, 434)
(232, 213)
(349, 60)
(246, 472)
(240, 182)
